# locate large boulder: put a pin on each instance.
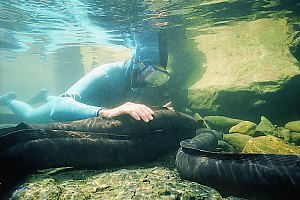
(294, 39)
(241, 70)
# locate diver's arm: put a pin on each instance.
(89, 90)
(67, 109)
(137, 111)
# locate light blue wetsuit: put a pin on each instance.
(108, 85)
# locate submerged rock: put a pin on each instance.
(284, 133)
(294, 38)
(270, 144)
(221, 123)
(293, 126)
(237, 140)
(295, 138)
(244, 127)
(244, 71)
(265, 127)
(226, 147)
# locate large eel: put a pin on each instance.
(255, 176)
(93, 143)
(98, 143)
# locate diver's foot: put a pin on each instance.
(6, 98)
(40, 97)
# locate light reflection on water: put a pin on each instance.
(55, 23)
(50, 23)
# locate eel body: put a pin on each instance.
(94, 143)
(255, 176)
(98, 143)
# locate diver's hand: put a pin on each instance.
(169, 106)
(137, 111)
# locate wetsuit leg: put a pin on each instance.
(30, 114)
(25, 111)
(58, 109)
(42, 96)
(6, 98)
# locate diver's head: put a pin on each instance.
(151, 58)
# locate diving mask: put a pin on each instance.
(153, 76)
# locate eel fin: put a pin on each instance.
(262, 159)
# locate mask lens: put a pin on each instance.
(154, 76)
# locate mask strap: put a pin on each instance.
(135, 68)
(136, 59)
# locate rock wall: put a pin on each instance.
(242, 70)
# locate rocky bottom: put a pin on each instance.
(154, 181)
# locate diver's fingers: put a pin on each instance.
(137, 111)
(171, 108)
(168, 104)
(134, 115)
(144, 112)
(148, 110)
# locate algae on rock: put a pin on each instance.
(265, 127)
(293, 126)
(144, 183)
(221, 123)
(270, 144)
(237, 140)
(244, 127)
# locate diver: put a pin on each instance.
(104, 87)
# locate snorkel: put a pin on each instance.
(147, 59)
